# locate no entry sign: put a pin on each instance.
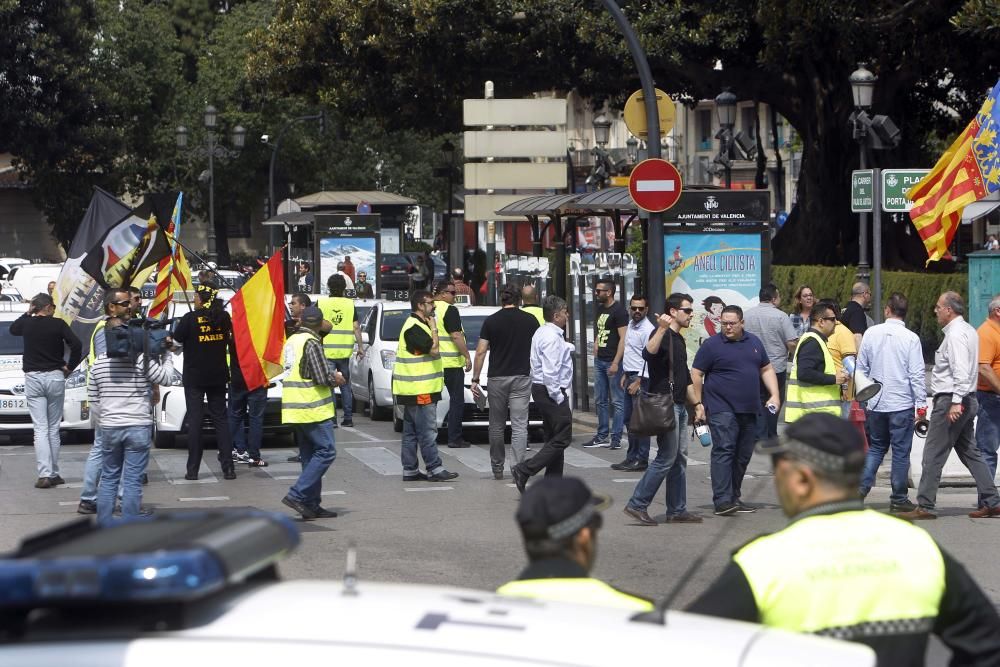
(655, 185)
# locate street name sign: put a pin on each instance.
(862, 193)
(895, 184)
(655, 185)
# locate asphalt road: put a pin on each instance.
(462, 532)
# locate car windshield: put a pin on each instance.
(10, 344)
(392, 322)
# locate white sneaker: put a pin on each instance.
(598, 443)
(241, 457)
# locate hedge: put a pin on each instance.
(921, 289)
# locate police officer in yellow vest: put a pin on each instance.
(813, 382)
(559, 519)
(306, 404)
(417, 382)
(455, 357)
(839, 570)
(343, 338)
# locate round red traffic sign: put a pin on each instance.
(655, 185)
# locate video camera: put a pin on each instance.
(135, 337)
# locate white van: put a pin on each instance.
(32, 279)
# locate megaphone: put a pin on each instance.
(865, 388)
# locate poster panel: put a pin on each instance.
(359, 252)
(717, 269)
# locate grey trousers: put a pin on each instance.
(508, 393)
(961, 435)
(44, 392)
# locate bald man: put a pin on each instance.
(529, 303)
(854, 317)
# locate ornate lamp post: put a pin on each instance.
(725, 106)
(862, 88)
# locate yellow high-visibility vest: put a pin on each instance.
(450, 356)
(854, 574)
(584, 590)
(415, 374)
(536, 311)
(339, 312)
(304, 401)
(801, 398)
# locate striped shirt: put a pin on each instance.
(120, 390)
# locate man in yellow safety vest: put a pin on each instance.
(307, 404)
(559, 519)
(417, 382)
(343, 338)
(455, 358)
(814, 383)
(839, 570)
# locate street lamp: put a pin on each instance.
(212, 150)
(862, 89)
(632, 149)
(455, 236)
(602, 130)
(725, 105)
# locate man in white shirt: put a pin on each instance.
(953, 384)
(551, 376)
(634, 379)
(779, 337)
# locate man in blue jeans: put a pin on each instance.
(726, 374)
(671, 457)
(891, 354)
(610, 325)
(246, 413)
(119, 390)
(988, 388)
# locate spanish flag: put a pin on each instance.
(259, 324)
(966, 172)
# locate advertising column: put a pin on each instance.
(350, 241)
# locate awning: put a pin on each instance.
(981, 208)
(293, 219)
(353, 198)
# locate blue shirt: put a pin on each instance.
(551, 361)
(732, 373)
(890, 353)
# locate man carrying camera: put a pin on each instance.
(45, 371)
(119, 391)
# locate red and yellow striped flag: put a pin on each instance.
(954, 182)
(172, 272)
(259, 324)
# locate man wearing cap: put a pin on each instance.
(344, 337)
(417, 382)
(559, 520)
(814, 383)
(307, 404)
(551, 364)
(839, 570)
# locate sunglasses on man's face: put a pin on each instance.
(829, 319)
(686, 310)
(123, 304)
(638, 308)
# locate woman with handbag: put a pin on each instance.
(661, 412)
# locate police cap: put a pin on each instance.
(558, 507)
(823, 441)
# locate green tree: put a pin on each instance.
(418, 60)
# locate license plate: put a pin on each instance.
(12, 404)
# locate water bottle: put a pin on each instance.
(704, 434)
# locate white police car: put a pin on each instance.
(14, 417)
(202, 588)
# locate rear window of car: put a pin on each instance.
(10, 344)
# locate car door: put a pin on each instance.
(359, 367)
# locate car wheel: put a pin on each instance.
(397, 423)
(376, 411)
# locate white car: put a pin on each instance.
(14, 417)
(202, 588)
(371, 377)
(7, 264)
(170, 411)
(32, 279)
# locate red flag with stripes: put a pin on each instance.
(259, 324)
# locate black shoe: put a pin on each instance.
(257, 463)
(323, 513)
(635, 467)
(624, 465)
(86, 507)
(906, 506)
(191, 476)
(442, 476)
(145, 479)
(459, 445)
(56, 480)
(304, 511)
(615, 445)
(295, 459)
(418, 477)
(348, 423)
(520, 479)
(229, 474)
(727, 509)
(743, 508)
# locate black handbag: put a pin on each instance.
(653, 414)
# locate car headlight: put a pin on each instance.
(176, 379)
(388, 359)
(77, 378)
